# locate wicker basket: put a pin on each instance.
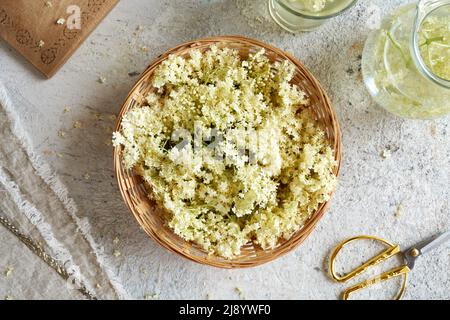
(151, 217)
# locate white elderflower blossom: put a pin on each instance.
(230, 150)
(312, 5)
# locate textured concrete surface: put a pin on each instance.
(404, 198)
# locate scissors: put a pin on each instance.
(409, 256)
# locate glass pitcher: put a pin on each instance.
(406, 63)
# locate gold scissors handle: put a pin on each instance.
(390, 251)
(399, 271)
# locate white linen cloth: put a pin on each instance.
(34, 200)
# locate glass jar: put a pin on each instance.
(401, 61)
(305, 15)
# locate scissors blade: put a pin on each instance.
(424, 247)
(433, 243)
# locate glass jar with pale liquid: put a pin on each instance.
(305, 15)
(406, 63)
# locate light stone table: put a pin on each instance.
(403, 197)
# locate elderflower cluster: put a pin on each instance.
(229, 149)
(312, 5)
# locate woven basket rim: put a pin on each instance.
(213, 260)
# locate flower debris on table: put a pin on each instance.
(61, 133)
(9, 271)
(101, 79)
(154, 296)
(143, 270)
(399, 210)
(386, 154)
(240, 292)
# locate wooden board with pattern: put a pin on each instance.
(46, 32)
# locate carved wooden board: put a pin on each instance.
(32, 28)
